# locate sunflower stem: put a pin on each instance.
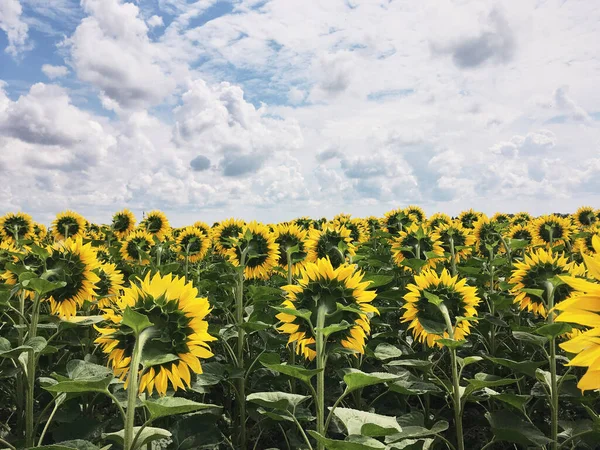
(290, 280)
(29, 400)
(492, 304)
(239, 312)
(553, 377)
(452, 256)
(321, 359)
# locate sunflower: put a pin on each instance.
(306, 223)
(583, 308)
(340, 290)
(95, 232)
(460, 300)
(123, 223)
(342, 218)
(326, 243)
(223, 234)
(537, 268)
(156, 224)
(193, 243)
(373, 223)
(585, 217)
(289, 236)
(463, 239)
(486, 234)
(396, 220)
(202, 226)
(110, 284)
(520, 231)
(520, 218)
(74, 263)
(468, 218)
(68, 224)
(102, 253)
(551, 230)
(15, 226)
(415, 211)
(417, 242)
(40, 231)
(263, 251)
(588, 244)
(180, 332)
(439, 219)
(501, 220)
(359, 229)
(135, 244)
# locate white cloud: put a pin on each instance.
(53, 72)
(155, 21)
(14, 26)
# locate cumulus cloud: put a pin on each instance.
(567, 105)
(53, 72)
(14, 26)
(200, 163)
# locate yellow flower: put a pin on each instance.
(123, 223)
(40, 231)
(485, 233)
(181, 332)
(521, 218)
(263, 251)
(396, 220)
(344, 294)
(223, 234)
(416, 212)
(501, 219)
(109, 285)
(288, 236)
(415, 242)
(551, 230)
(156, 224)
(325, 243)
(583, 308)
(587, 244)
(462, 237)
(193, 242)
(460, 300)
(468, 218)
(134, 244)
(520, 231)
(203, 226)
(439, 219)
(14, 226)
(68, 224)
(359, 229)
(306, 223)
(585, 217)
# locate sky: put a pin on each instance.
(275, 109)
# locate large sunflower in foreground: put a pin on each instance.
(15, 226)
(342, 291)
(331, 241)
(68, 224)
(533, 273)
(123, 223)
(583, 308)
(417, 242)
(193, 243)
(136, 247)
(460, 300)
(468, 218)
(109, 284)
(585, 217)
(287, 237)
(551, 230)
(180, 330)
(262, 255)
(74, 263)
(224, 233)
(462, 238)
(156, 224)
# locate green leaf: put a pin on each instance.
(78, 444)
(432, 298)
(385, 351)
(83, 377)
(153, 357)
(433, 326)
(42, 286)
(539, 293)
(378, 280)
(412, 428)
(484, 380)
(171, 406)
(331, 444)
(469, 360)
(525, 367)
(302, 313)
(553, 330)
(36, 344)
(277, 400)
(518, 401)
(79, 321)
(136, 321)
(530, 338)
(147, 435)
(509, 427)
(297, 372)
(355, 379)
(413, 263)
(451, 343)
(421, 364)
(367, 423)
(335, 328)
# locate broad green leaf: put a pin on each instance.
(285, 416)
(432, 298)
(298, 372)
(79, 321)
(525, 367)
(510, 427)
(78, 444)
(469, 360)
(136, 321)
(378, 280)
(484, 380)
(36, 344)
(367, 423)
(451, 343)
(83, 377)
(277, 400)
(421, 364)
(553, 330)
(154, 357)
(412, 429)
(355, 379)
(413, 387)
(331, 444)
(530, 338)
(147, 435)
(302, 313)
(539, 293)
(387, 351)
(170, 406)
(42, 286)
(329, 330)
(518, 401)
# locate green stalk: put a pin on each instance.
(553, 377)
(29, 400)
(452, 256)
(321, 360)
(133, 387)
(290, 280)
(239, 312)
(492, 305)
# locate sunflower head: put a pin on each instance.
(373, 223)
(425, 318)
(68, 224)
(287, 237)
(359, 229)
(256, 248)
(417, 242)
(109, 284)
(74, 263)
(501, 220)
(40, 231)
(585, 217)
(520, 231)
(415, 211)
(136, 247)
(180, 333)
(306, 223)
(439, 219)
(342, 218)
(590, 243)
(468, 218)
(15, 226)
(202, 226)
(396, 220)
(224, 233)
(123, 223)
(193, 243)
(345, 298)
(462, 239)
(156, 224)
(487, 235)
(521, 218)
(331, 241)
(551, 230)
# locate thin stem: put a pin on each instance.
(3, 442)
(29, 400)
(56, 405)
(335, 405)
(553, 378)
(139, 433)
(321, 358)
(239, 313)
(290, 280)
(302, 432)
(452, 256)
(116, 402)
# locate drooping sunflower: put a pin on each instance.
(156, 224)
(551, 230)
(110, 284)
(486, 234)
(287, 237)
(439, 219)
(193, 243)
(537, 268)
(520, 218)
(224, 233)
(331, 241)
(415, 211)
(180, 331)
(135, 244)
(68, 224)
(396, 220)
(588, 244)
(417, 242)
(123, 223)
(202, 226)
(322, 285)
(15, 226)
(263, 252)
(585, 217)
(460, 300)
(74, 263)
(520, 231)
(463, 239)
(468, 218)
(583, 308)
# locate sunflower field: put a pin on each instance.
(394, 332)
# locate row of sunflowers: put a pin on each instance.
(399, 332)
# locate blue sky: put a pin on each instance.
(272, 109)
